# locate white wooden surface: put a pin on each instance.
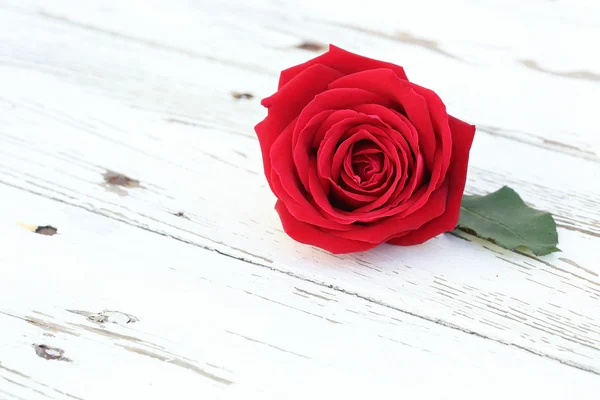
(225, 304)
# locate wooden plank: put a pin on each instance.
(89, 88)
(186, 104)
(185, 322)
(473, 47)
(190, 143)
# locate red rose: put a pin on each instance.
(357, 155)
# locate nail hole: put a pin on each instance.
(180, 214)
(311, 46)
(46, 230)
(50, 353)
(242, 95)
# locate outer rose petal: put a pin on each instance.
(439, 118)
(462, 138)
(286, 104)
(343, 61)
(309, 234)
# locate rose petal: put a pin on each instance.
(332, 140)
(305, 211)
(386, 84)
(439, 118)
(420, 105)
(408, 138)
(376, 188)
(287, 187)
(308, 234)
(342, 60)
(384, 229)
(322, 200)
(318, 116)
(392, 207)
(343, 136)
(346, 200)
(303, 138)
(327, 169)
(462, 138)
(344, 153)
(388, 135)
(398, 176)
(338, 99)
(285, 105)
(283, 165)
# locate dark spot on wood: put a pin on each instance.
(46, 230)
(117, 183)
(242, 95)
(117, 179)
(180, 214)
(50, 353)
(311, 46)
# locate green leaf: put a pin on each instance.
(503, 217)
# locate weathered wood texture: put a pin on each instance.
(227, 304)
(211, 326)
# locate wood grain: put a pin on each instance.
(149, 93)
(186, 321)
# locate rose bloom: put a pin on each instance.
(357, 155)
